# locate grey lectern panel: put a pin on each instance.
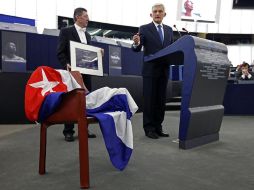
(206, 67)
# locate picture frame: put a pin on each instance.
(13, 52)
(198, 10)
(86, 59)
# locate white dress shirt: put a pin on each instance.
(81, 33)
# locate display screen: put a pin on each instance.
(243, 4)
(13, 52)
(199, 10)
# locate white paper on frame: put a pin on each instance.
(86, 59)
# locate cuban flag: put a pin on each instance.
(112, 107)
(45, 82)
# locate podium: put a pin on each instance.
(206, 69)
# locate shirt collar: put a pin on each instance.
(78, 28)
(156, 24)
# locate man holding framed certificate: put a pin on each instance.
(76, 33)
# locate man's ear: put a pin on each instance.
(165, 14)
(151, 15)
(76, 17)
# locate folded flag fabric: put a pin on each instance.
(112, 107)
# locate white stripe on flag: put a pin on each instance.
(102, 95)
(123, 127)
(68, 80)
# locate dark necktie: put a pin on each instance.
(160, 33)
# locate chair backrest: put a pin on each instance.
(78, 77)
(67, 111)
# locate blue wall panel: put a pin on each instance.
(14, 19)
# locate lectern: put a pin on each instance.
(206, 69)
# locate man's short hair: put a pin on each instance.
(245, 64)
(159, 5)
(78, 12)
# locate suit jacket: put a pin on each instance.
(63, 50)
(150, 40)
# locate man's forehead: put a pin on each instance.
(157, 8)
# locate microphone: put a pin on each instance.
(177, 30)
(185, 30)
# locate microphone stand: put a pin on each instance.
(185, 30)
(180, 35)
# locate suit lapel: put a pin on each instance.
(166, 35)
(75, 34)
(155, 32)
(88, 38)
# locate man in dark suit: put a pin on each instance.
(79, 34)
(153, 37)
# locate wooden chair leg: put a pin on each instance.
(83, 153)
(43, 143)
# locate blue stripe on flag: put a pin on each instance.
(49, 105)
(117, 102)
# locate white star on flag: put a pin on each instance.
(45, 84)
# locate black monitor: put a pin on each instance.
(243, 4)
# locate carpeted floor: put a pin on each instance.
(227, 164)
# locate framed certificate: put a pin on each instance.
(86, 59)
